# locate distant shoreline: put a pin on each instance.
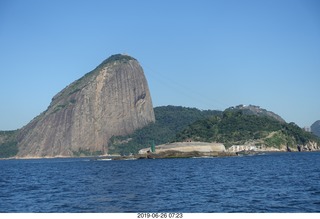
(170, 155)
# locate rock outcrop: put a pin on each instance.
(202, 147)
(256, 110)
(315, 128)
(113, 99)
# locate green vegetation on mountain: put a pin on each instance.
(169, 121)
(117, 57)
(255, 110)
(236, 127)
(8, 144)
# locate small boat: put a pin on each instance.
(104, 159)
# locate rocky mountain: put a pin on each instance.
(113, 99)
(315, 128)
(255, 110)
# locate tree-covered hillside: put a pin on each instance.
(169, 121)
(8, 144)
(236, 127)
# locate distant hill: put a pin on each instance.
(315, 128)
(236, 127)
(169, 121)
(255, 110)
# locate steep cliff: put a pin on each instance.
(113, 99)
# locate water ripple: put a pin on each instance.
(286, 182)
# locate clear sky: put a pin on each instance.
(206, 54)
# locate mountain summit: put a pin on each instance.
(256, 110)
(113, 99)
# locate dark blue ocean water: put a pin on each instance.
(281, 182)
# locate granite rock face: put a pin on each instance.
(113, 99)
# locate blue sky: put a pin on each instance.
(206, 54)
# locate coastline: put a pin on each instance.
(171, 154)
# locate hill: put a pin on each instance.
(255, 110)
(169, 121)
(235, 127)
(315, 128)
